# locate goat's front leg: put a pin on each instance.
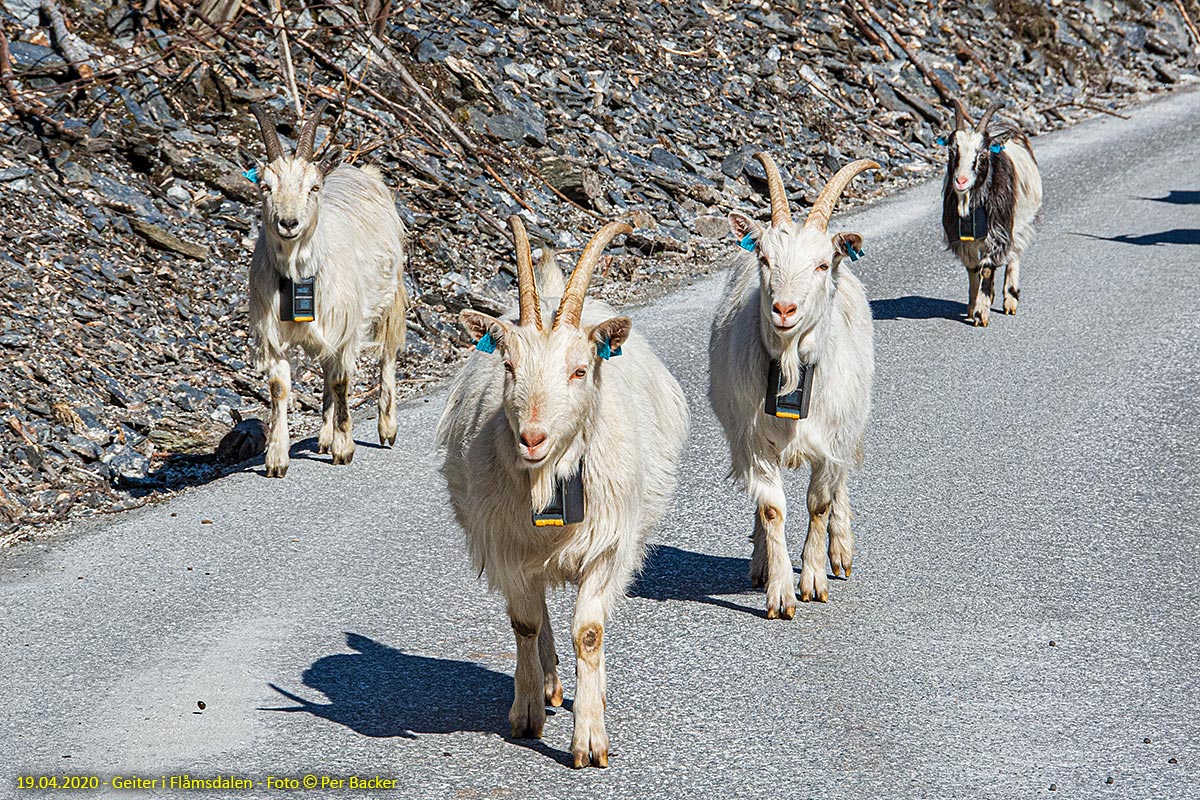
(343, 442)
(1012, 285)
(526, 611)
(758, 556)
(589, 742)
(325, 439)
(549, 658)
(814, 584)
(770, 529)
(978, 306)
(841, 535)
(279, 381)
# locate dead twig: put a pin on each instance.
(1187, 20)
(287, 69)
(930, 78)
(1088, 106)
(70, 45)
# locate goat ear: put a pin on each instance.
(847, 244)
(745, 229)
(331, 161)
(486, 331)
(610, 335)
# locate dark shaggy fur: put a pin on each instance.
(995, 189)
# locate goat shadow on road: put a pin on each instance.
(383, 692)
(673, 574)
(1174, 236)
(1177, 197)
(917, 307)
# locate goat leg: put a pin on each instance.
(325, 439)
(814, 583)
(1012, 285)
(343, 441)
(527, 716)
(280, 383)
(552, 686)
(841, 535)
(589, 741)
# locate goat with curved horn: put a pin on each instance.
(990, 199)
(791, 362)
(558, 467)
(570, 308)
(528, 301)
(266, 125)
(961, 117)
(822, 209)
(308, 132)
(780, 213)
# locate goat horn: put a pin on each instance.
(818, 217)
(266, 124)
(780, 213)
(981, 127)
(530, 303)
(961, 117)
(570, 309)
(308, 133)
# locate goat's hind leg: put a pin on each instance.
(549, 658)
(391, 336)
(1012, 285)
(841, 535)
(526, 611)
(343, 441)
(325, 438)
(814, 583)
(758, 557)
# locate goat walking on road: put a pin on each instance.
(792, 360)
(561, 446)
(990, 200)
(327, 277)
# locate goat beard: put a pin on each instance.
(789, 367)
(964, 203)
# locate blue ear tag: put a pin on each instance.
(747, 243)
(486, 344)
(941, 140)
(605, 351)
(855, 255)
(251, 174)
(996, 148)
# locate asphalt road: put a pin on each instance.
(1032, 482)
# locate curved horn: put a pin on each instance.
(530, 303)
(780, 213)
(266, 124)
(570, 309)
(308, 133)
(961, 117)
(981, 126)
(818, 217)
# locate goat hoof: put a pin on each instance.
(322, 449)
(554, 692)
(341, 459)
(781, 605)
(387, 441)
(277, 471)
(527, 718)
(592, 759)
(814, 585)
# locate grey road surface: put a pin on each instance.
(1024, 610)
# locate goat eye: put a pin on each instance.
(509, 368)
(316, 189)
(824, 265)
(580, 373)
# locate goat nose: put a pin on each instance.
(785, 310)
(531, 439)
(289, 223)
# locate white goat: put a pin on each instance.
(990, 199)
(792, 301)
(337, 225)
(518, 430)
